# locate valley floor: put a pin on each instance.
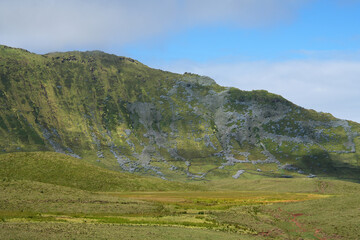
(282, 209)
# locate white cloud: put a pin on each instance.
(327, 86)
(48, 25)
(244, 13)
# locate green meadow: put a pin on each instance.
(54, 196)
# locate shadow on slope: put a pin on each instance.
(323, 164)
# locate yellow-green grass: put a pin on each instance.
(329, 218)
(337, 217)
(109, 231)
(213, 200)
(39, 201)
(249, 214)
(33, 202)
(28, 199)
(294, 185)
(60, 169)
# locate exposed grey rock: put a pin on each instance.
(266, 161)
(237, 175)
(201, 80)
(208, 142)
(289, 167)
(130, 143)
(73, 155)
(173, 168)
(174, 154)
(124, 162)
(146, 112)
(100, 154)
(127, 132)
(55, 145)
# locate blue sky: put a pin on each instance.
(306, 50)
(329, 28)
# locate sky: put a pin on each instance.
(308, 51)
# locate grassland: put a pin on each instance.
(63, 170)
(39, 200)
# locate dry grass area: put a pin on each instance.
(218, 199)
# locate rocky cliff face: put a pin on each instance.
(118, 113)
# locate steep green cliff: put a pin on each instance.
(120, 114)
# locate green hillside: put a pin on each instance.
(59, 169)
(119, 114)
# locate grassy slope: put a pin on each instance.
(63, 170)
(27, 199)
(72, 97)
(298, 185)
